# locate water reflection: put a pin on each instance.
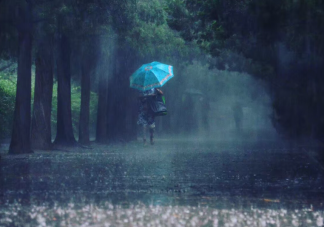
(15, 180)
(182, 174)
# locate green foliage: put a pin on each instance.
(152, 40)
(151, 37)
(75, 109)
(245, 36)
(198, 21)
(151, 11)
(249, 25)
(7, 104)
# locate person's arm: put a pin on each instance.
(159, 91)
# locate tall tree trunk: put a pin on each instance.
(85, 101)
(41, 118)
(20, 140)
(64, 134)
(116, 99)
(101, 129)
(121, 108)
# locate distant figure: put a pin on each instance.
(146, 115)
(238, 116)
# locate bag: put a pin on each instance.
(157, 105)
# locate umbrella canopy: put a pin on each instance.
(150, 76)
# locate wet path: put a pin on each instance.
(179, 175)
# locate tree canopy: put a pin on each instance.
(101, 42)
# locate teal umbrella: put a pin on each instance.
(150, 76)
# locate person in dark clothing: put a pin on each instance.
(146, 116)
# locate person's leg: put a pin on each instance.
(151, 125)
(143, 120)
(152, 129)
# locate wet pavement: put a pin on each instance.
(173, 183)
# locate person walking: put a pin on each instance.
(147, 79)
(146, 116)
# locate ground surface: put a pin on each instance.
(173, 183)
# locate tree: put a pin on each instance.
(20, 140)
(84, 19)
(88, 61)
(106, 57)
(70, 15)
(101, 129)
(120, 109)
(64, 133)
(263, 32)
(24, 18)
(41, 118)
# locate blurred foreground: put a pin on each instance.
(173, 183)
